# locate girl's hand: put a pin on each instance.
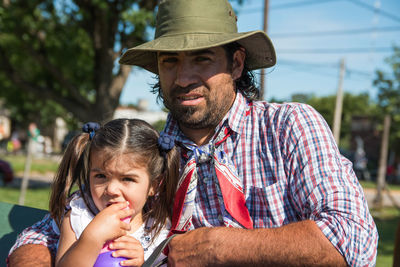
(128, 247)
(107, 225)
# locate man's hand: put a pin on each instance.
(128, 247)
(31, 256)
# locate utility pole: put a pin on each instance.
(378, 201)
(25, 178)
(337, 118)
(265, 29)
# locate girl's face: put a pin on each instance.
(119, 179)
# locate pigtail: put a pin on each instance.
(170, 182)
(82, 172)
(160, 206)
(64, 180)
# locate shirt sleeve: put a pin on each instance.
(44, 232)
(325, 188)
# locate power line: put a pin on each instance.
(335, 50)
(381, 12)
(307, 64)
(288, 5)
(328, 65)
(334, 32)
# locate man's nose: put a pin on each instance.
(185, 74)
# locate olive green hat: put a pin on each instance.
(184, 25)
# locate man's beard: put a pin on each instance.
(186, 117)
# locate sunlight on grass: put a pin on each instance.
(36, 198)
(39, 165)
(386, 221)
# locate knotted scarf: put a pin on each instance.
(229, 182)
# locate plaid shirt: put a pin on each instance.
(291, 170)
(44, 232)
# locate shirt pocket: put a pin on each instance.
(270, 205)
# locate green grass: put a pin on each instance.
(371, 184)
(38, 165)
(386, 221)
(35, 197)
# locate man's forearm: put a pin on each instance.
(31, 256)
(296, 244)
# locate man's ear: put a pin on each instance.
(238, 63)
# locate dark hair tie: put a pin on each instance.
(165, 142)
(90, 128)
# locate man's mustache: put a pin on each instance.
(178, 90)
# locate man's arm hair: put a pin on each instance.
(31, 255)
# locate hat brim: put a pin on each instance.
(260, 52)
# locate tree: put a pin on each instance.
(388, 85)
(59, 56)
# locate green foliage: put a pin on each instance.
(388, 85)
(59, 57)
(159, 125)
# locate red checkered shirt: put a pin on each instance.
(291, 170)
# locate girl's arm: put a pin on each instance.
(73, 252)
(105, 226)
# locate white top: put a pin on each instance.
(80, 217)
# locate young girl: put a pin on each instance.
(122, 170)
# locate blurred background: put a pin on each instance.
(58, 69)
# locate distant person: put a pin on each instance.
(361, 161)
(33, 131)
(6, 172)
(262, 184)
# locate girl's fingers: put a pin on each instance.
(127, 238)
(120, 245)
(132, 262)
(129, 253)
(126, 213)
(117, 206)
(133, 257)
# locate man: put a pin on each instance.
(261, 184)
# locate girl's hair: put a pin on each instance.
(124, 136)
(64, 179)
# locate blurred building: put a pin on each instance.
(140, 112)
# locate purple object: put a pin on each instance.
(105, 259)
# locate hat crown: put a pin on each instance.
(194, 16)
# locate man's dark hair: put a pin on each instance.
(245, 84)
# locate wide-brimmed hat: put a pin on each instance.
(185, 25)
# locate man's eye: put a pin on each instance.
(202, 59)
(169, 60)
